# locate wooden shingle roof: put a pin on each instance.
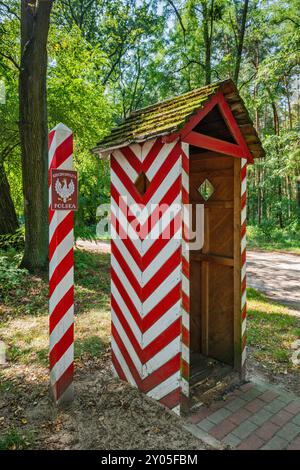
(170, 116)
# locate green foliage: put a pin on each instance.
(11, 276)
(272, 188)
(77, 98)
(13, 240)
(268, 237)
(15, 439)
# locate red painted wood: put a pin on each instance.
(194, 120)
(60, 348)
(216, 145)
(185, 133)
(61, 308)
(234, 128)
(61, 282)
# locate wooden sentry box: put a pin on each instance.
(179, 314)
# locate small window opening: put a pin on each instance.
(142, 183)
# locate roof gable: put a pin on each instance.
(178, 115)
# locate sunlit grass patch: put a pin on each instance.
(272, 238)
(92, 333)
(272, 329)
(24, 323)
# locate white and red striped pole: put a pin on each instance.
(61, 275)
(243, 259)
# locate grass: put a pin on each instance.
(274, 239)
(16, 440)
(24, 313)
(272, 329)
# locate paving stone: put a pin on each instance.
(229, 398)
(251, 394)
(274, 406)
(293, 407)
(205, 425)
(267, 430)
(255, 405)
(252, 442)
(217, 405)
(244, 429)
(219, 415)
(261, 417)
(296, 419)
(286, 398)
(236, 404)
(239, 416)
(268, 396)
(222, 429)
(289, 431)
(281, 418)
(231, 440)
(247, 386)
(201, 414)
(237, 392)
(276, 443)
(262, 388)
(295, 444)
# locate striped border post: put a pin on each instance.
(185, 295)
(243, 259)
(61, 275)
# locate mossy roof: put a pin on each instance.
(170, 116)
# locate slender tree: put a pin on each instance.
(35, 20)
(240, 44)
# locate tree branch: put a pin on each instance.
(11, 59)
(179, 18)
(10, 10)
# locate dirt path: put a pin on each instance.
(275, 274)
(97, 246)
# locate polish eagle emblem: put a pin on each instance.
(64, 190)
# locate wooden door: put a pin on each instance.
(212, 275)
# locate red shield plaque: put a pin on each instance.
(64, 190)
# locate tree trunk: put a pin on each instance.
(241, 42)
(8, 218)
(207, 36)
(275, 118)
(35, 19)
(290, 114)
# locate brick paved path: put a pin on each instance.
(255, 416)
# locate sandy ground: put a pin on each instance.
(106, 413)
(97, 246)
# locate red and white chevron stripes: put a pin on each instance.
(150, 268)
(61, 274)
(146, 269)
(243, 255)
(185, 295)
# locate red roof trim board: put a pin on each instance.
(239, 150)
